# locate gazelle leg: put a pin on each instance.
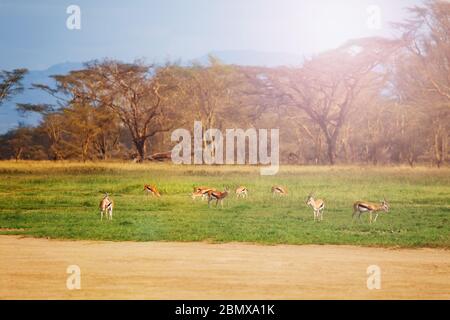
(376, 216)
(370, 217)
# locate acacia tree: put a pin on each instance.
(213, 95)
(20, 142)
(52, 124)
(107, 142)
(10, 83)
(79, 124)
(139, 95)
(327, 87)
(422, 73)
(210, 90)
(426, 38)
(90, 126)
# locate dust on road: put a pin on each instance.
(36, 269)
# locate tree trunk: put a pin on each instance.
(141, 148)
(438, 147)
(318, 149)
(18, 154)
(331, 151)
(411, 160)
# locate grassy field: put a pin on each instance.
(60, 200)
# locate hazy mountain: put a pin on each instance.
(10, 118)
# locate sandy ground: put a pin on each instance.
(36, 268)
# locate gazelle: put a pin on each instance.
(317, 205)
(202, 188)
(218, 196)
(201, 192)
(106, 207)
(359, 207)
(195, 195)
(152, 190)
(279, 190)
(241, 192)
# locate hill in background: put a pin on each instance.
(10, 118)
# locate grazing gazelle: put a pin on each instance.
(359, 207)
(201, 192)
(279, 190)
(152, 190)
(202, 188)
(218, 196)
(196, 194)
(241, 192)
(106, 207)
(317, 205)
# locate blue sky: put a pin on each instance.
(33, 34)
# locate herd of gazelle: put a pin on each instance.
(212, 194)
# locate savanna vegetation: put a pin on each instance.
(370, 101)
(375, 112)
(60, 200)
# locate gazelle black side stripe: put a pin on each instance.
(363, 206)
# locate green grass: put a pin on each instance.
(60, 200)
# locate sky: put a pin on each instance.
(33, 34)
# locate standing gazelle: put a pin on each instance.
(317, 205)
(218, 196)
(279, 190)
(152, 190)
(359, 207)
(106, 207)
(241, 192)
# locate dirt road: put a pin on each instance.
(36, 268)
